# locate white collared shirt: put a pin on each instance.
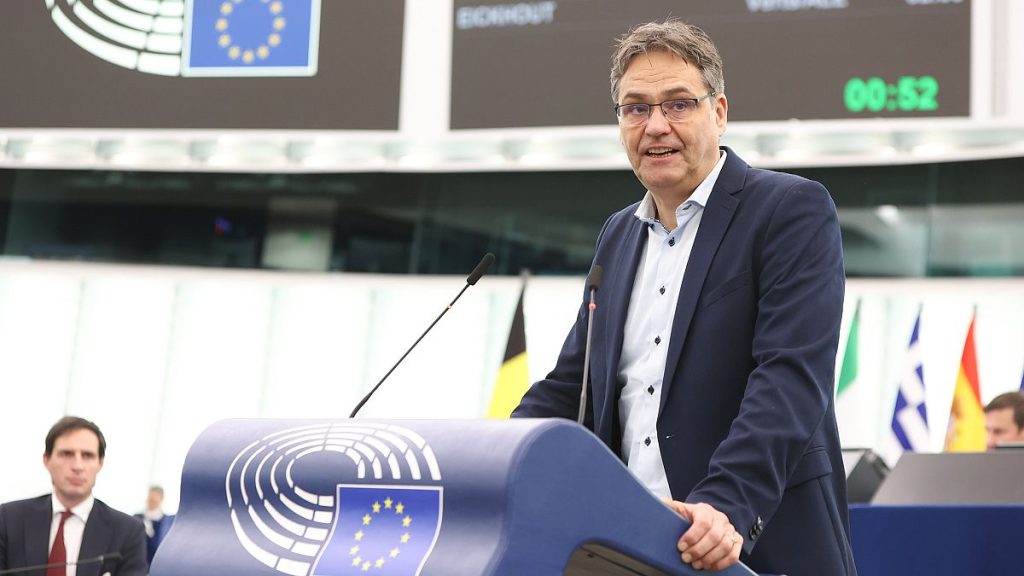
(149, 517)
(74, 528)
(652, 308)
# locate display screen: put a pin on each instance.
(258, 64)
(546, 63)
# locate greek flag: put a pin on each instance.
(910, 418)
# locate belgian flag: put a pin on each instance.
(514, 377)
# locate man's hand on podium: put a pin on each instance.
(711, 542)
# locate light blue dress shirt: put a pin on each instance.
(652, 308)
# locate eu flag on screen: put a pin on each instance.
(383, 530)
(251, 38)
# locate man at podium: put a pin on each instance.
(716, 326)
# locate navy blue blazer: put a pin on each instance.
(747, 421)
(25, 538)
(160, 530)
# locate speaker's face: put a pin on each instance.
(671, 156)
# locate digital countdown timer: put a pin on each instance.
(906, 94)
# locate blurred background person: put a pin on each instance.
(155, 522)
(1004, 419)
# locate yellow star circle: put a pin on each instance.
(248, 55)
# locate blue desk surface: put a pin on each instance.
(938, 540)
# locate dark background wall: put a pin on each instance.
(430, 223)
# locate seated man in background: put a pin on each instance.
(156, 523)
(1004, 419)
(70, 528)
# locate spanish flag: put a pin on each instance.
(966, 431)
(513, 378)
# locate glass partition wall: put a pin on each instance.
(919, 220)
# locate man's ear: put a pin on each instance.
(721, 112)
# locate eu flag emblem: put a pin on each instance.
(251, 38)
(381, 530)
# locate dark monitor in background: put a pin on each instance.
(955, 478)
(865, 472)
(1010, 446)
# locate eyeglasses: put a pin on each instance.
(674, 110)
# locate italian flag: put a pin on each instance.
(848, 373)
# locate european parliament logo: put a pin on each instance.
(196, 37)
(290, 513)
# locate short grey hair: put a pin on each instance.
(687, 41)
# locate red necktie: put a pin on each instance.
(58, 554)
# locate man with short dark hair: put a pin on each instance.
(713, 360)
(1004, 419)
(71, 526)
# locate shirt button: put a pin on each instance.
(671, 241)
(657, 339)
(647, 441)
(661, 290)
(650, 390)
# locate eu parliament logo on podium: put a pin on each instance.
(336, 499)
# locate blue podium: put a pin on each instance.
(405, 497)
(937, 540)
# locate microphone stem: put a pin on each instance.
(586, 359)
(26, 569)
(436, 320)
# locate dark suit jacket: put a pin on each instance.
(747, 421)
(25, 538)
(160, 530)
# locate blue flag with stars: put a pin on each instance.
(251, 38)
(381, 530)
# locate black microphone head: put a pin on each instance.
(111, 557)
(482, 267)
(594, 279)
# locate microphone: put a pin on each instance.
(101, 559)
(471, 280)
(477, 272)
(593, 283)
